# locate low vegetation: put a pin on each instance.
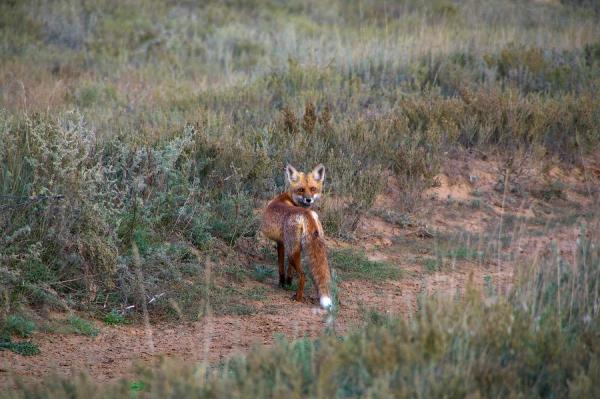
(82, 326)
(540, 341)
(17, 326)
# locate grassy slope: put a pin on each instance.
(162, 126)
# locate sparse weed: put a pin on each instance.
(256, 293)
(488, 285)
(236, 272)
(432, 265)
(355, 265)
(262, 272)
(450, 249)
(241, 309)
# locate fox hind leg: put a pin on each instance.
(281, 264)
(290, 275)
(292, 238)
(294, 260)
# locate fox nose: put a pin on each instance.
(308, 200)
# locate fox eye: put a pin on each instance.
(300, 190)
(313, 189)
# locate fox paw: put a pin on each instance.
(285, 282)
(295, 298)
(313, 300)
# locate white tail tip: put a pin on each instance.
(325, 302)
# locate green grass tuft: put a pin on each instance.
(355, 265)
(262, 272)
(113, 318)
(82, 327)
(24, 348)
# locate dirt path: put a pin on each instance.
(114, 352)
(465, 206)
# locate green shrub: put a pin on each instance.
(25, 348)
(21, 327)
(36, 272)
(232, 217)
(18, 325)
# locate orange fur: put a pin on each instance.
(295, 228)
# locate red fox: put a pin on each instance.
(289, 221)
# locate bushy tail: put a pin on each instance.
(317, 259)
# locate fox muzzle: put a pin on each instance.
(306, 201)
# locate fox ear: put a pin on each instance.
(291, 174)
(319, 172)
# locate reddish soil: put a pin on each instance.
(467, 200)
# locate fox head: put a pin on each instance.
(305, 189)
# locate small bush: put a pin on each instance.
(591, 52)
(550, 191)
(19, 325)
(25, 348)
(232, 218)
